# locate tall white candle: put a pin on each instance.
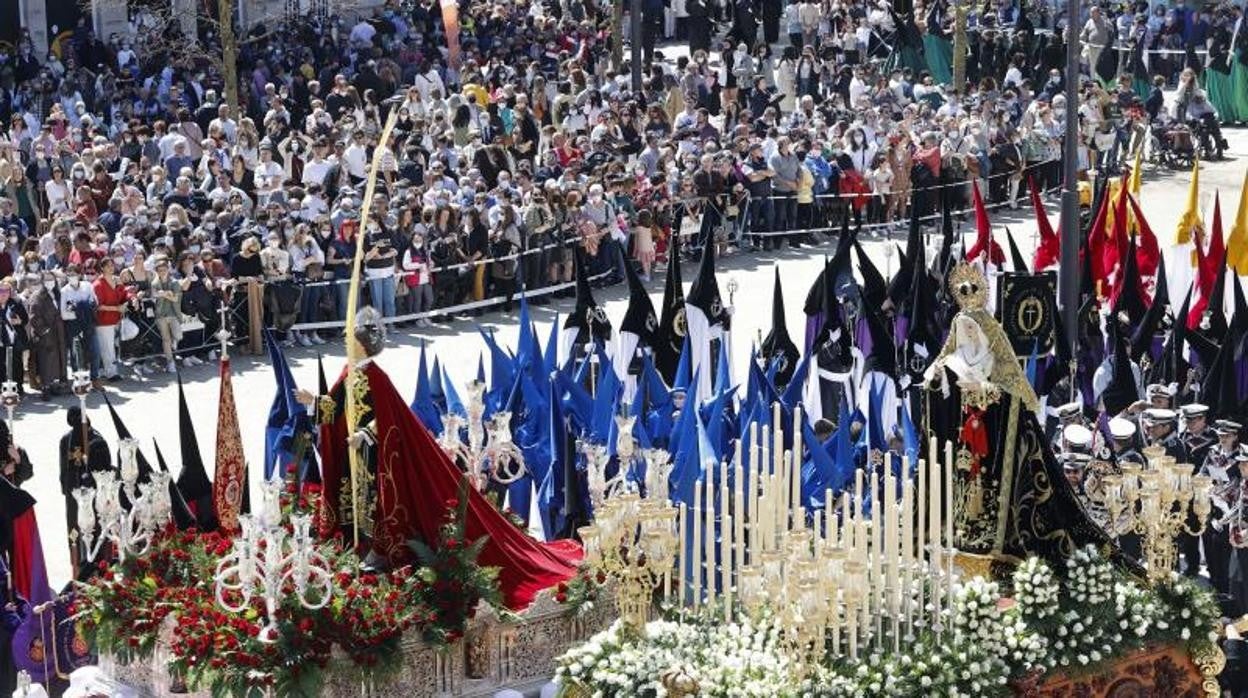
(709, 553)
(795, 476)
(696, 568)
(907, 552)
(948, 519)
(934, 530)
(921, 500)
(726, 565)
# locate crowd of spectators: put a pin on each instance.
(136, 200)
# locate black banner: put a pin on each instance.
(1027, 309)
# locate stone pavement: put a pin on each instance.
(149, 408)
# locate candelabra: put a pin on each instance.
(489, 450)
(1158, 501)
(632, 540)
(131, 531)
(273, 563)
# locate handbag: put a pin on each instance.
(129, 329)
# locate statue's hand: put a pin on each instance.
(304, 397)
(358, 439)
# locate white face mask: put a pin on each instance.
(74, 280)
(32, 267)
(49, 284)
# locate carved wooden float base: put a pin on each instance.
(1160, 671)
(493, 655)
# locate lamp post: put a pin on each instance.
(1069, 278)
(269, 561)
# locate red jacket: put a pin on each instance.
(109, 295)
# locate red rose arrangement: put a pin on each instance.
(124, 608)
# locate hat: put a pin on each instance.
(1077, 436)
(1225, 427)
(1159, 390)
(1075, 461)
(1160, 415)
(1069, 410)
(1120, 428)
(1193, 410)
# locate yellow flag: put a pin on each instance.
(1137, 173)
(1237, 243)
(1190, 221)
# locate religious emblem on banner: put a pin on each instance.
(1027, 308)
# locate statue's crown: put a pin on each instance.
(968, 286)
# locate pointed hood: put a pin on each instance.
(704, 292)
(193, 480)
(1142, 340)
(183, 517)
(1017, 260)
(837, 268)
(1049, 251)
(422, 402)
(145, 469)
(985, 245)
(670, 334)
(874, 290)
(639, 319)
(882, 356)
(587, 317)
(778, 344)
(1128, 296)
(1122, 390)
(948, 238)
(899, 286)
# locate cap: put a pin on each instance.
(1077, 436)
(1120, 428)
(1160, 390)
(1225, 427)
(1160, 415)
(1069, 410)
(1193, 410)
(1074, 462)
(1240, 455)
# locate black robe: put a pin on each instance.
(1045, 518)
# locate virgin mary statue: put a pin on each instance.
(1010, 498)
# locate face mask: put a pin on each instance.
(596, 198)
(49, 284)
(194, 249)
(418, 245)
(274, 244)
(73, 281)
(32, 267)
(119, 261)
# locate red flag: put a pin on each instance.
(1115, 253)
(229, 481)
(1049, 251)
(1207, 266)
(1212, 258)
(984, 244)
(1147, 250)
(1096, 248)
(416, 481)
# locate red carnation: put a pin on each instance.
(561, 597)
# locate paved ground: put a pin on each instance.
(150, 408)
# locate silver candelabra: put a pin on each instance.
(268, 561)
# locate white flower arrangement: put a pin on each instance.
(1091, 616)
